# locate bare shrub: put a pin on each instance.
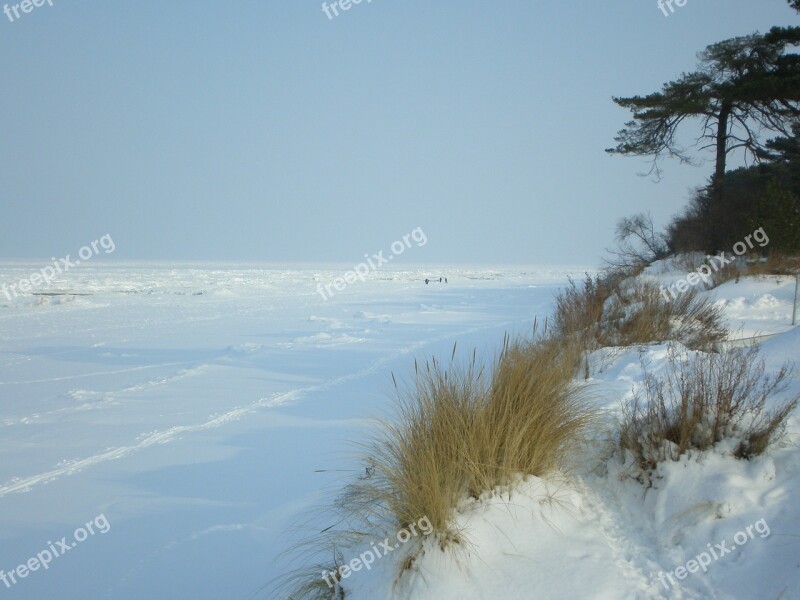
(774, 264)
(638, 244)
(702, 400)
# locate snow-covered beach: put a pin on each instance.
(192, 404)
(426, 301)
(203, 410)
(708, 526)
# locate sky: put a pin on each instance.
(267, 131)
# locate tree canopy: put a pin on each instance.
(744, 88)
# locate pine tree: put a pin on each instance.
(744, 87)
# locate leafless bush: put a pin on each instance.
(638, 244)
(703, 400)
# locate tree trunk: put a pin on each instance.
(718, 184)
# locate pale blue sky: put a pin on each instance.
(261, 130)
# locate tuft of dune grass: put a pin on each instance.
(611, 312)
(639, 313)
(461, 431)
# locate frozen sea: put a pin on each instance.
(191, 404)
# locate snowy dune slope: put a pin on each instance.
(710, 527)
(191, 406)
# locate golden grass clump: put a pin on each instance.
(579, 310)
(612, 312)
(639, 313)
(461, 432)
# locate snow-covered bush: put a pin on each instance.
(703, 399)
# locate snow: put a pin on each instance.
(192, 404)
(596, 532)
